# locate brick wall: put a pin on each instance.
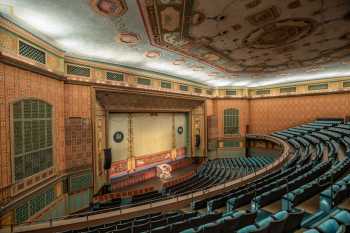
(271, 114)
(78, 133)
(16, 84)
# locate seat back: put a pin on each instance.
(125, 230)
(180, 226)
(330, 226)
(162, 229)
(230, 224)
(141, 227)
(158, 223)
(277, 226)
(246, 219)
(293, 221)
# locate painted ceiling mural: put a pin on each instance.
(218, 43)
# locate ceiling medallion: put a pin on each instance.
(179, 61)
(152, 54)
(109, 7)
(280, 33)
(211, 57)
(129, 38)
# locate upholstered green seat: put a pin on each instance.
(247, 229)
(190, 230)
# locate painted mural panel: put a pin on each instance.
(118, 135)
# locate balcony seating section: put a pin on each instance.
(319, 134)
(218, 171)
(335, 194)
(297, 196)
(227, 223)
(302, 177)
(336, 222)
(246, 192)
(220, 199)
(274, 191)
(144, 223)
(280, 222)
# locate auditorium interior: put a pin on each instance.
(175, 116)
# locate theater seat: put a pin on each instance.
(189, 230)
(158, 223)
(255, 229)
(180, 226)
(124, 230)
(293, 221)
(331, 226)
(210, 227)
(163, 229)
(141, 227)
(278, 222)
(343, 217)
(229, 224)
(246, 219)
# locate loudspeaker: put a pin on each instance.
(198, 140)
(108, 158)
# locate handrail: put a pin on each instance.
(159, 202)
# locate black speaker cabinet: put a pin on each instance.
(108, 158)
(198, 140)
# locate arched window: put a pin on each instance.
(231, 121)
(32, 137)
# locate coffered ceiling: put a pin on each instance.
(218, 43)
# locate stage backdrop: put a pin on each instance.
(148, 137)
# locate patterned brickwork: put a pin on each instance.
(273, 114)
(16, 84)
(77, 104)
(77, 101)
(78, 138)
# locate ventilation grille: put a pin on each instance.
(115, 76)
(198, 90)
(144, 81)
(346, 84)
(263, 92)
(231, 92)
(32, 53)
(183, 88)
(288, 89)
(317, 87)
(78, 70)
(166, 85)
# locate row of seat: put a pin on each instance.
(228, 223)
(219, 171)
(330, 134)
(335, 194)
(139, 224)
(312, 139)
(336, 222)
(280, 222)
(218, 201)
(297, 196)
(274, 191)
